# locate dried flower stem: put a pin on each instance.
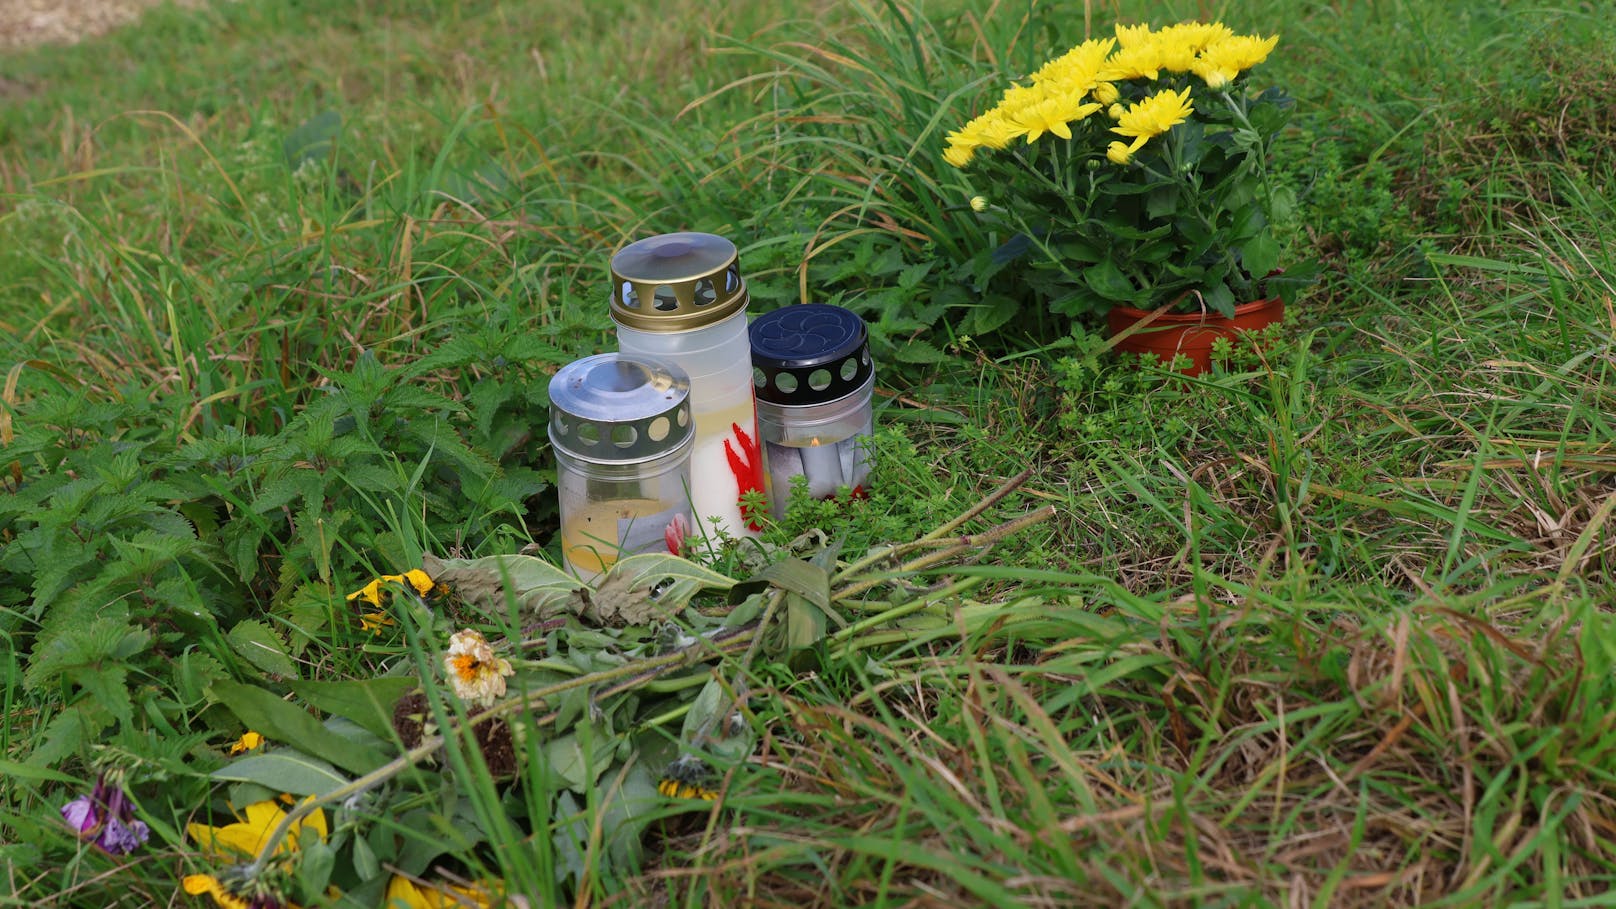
(961, 545)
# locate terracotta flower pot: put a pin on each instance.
(1190, 334)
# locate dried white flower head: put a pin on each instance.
(477, 675)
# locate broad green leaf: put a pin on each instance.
(706, 726)
(536, 586)
(675, 581)
(1261, 255)
(805, 623)
(260, 646)
(576, 764)
(281, 721)
(629, 803)
(1107, 280)
(368, 702)
(284, 771)
(801, 578)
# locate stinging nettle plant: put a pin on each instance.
(1132, 171)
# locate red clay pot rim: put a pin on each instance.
(1240, 310)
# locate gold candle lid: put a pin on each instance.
(676, 282)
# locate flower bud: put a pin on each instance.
(979, 203)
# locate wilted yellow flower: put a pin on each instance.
(476, 675)
(198, 884)
(401, 891)
(246, 837)
(248, 741)
(376, 593)
(1224, 59)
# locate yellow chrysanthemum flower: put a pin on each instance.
(1139, 61)
(1121, 153)
(979, 203)
(999, 131)
(1053, 115)
(376, 593)
(476, 675)
(1197, 34)
(1133, 35)
(1105, 93)
(958, 153)
(247, 836)
(1223, 60)
(1154, 115)
(1078, 69)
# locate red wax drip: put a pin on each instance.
(748, 472)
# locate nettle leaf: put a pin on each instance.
(284, 771)
(83, 645)
(260, 646)
(915, 350)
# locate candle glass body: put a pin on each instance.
(826, 444)
(725, 462)
(680, 298)
(609, 511)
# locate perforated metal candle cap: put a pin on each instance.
(812, 353)
(676, 282)
(615, 408)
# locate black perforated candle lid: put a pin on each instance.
(812, 353)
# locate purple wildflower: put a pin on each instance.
(105, 817)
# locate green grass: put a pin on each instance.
(283, 285)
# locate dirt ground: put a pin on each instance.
(24, 23)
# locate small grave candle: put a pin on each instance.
(812, 375)
(622, 433)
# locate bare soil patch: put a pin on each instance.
(25, 23)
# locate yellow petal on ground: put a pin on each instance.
(419, 579)
(248, 741)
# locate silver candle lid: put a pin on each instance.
(616, 408)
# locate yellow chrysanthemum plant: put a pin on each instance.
(1133, 170)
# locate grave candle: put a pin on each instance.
(680, 297)
(622, 432)
(813, 378)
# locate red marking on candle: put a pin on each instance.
(748, 473)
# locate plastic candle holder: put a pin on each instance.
(622, 432)
(813, 378)
(680, 298)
